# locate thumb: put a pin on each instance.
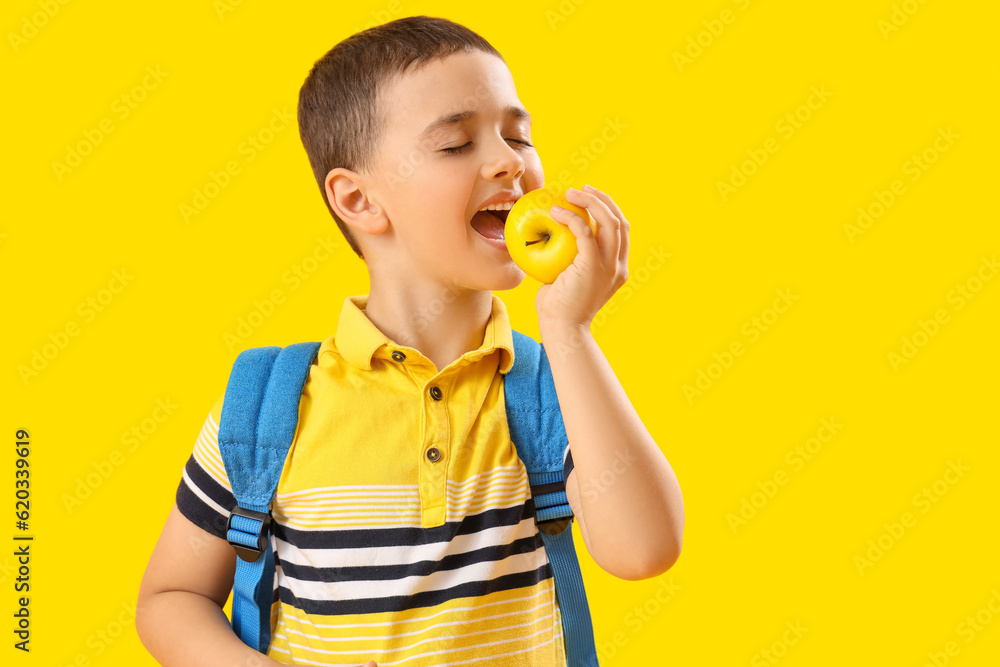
(371, 663)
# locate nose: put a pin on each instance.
(506, 164)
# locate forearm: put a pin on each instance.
(631, 501)
(183, 629)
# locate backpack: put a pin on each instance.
(258, 423)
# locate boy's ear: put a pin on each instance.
(346, 192)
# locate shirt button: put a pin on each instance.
(436, 393)
(433, 454)
(398, 356)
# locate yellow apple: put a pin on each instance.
(542, 247)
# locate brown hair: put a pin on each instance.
(341, 114)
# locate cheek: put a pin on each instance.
(534, 174)
(436, 177)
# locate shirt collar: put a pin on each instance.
(358, 340)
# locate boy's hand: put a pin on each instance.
(599, 268)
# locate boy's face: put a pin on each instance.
(428, 196)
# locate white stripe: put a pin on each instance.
(206, 453)
(213, 427)
(513, 473)
(312, 516)
(398, 555)
(436, 581)
(303, 661)
(354, 499)
(345, 512)
(422, 655)
(374, 488)
(350, 500)
(216, 473)
(417, 619)
(353, 524)
(502, 495)
(508, 470)
(486, 491)
(487, 503)
(201, 494)
(382, 518)
(500, 655)
(366, 509)
(317, 518)
(314, 519)
(427, 639)
(453, 514)
(360, 503)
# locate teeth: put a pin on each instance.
(506, 206)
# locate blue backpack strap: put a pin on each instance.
(536, 427)
(260, 412)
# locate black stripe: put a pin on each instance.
(211, 488)
(418, 569)
(198, 512)
(568, 465)
(417, 600)
(196, 509)
(362, 538)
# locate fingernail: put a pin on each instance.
(587, 187)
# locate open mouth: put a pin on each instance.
(490, 223)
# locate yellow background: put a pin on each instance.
(579, 66)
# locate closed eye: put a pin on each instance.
(461, 149)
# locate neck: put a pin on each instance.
(442, 322)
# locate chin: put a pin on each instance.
(508, 281)
(515, 276)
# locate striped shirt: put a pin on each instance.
(403, 525)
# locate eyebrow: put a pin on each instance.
(515, 112)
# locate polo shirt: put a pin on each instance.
(403, 525)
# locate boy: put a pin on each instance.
(403, 524)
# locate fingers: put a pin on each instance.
(608, 201)
(604, 197)
(612, 226)
(586, 244)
